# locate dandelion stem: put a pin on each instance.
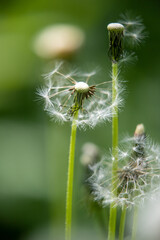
(122, 223)
(113, 210)
(134, 227)
(70, 179)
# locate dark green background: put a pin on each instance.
(34, 150)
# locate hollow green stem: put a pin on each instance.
(113, 210)
(70, 179)
(134, 227)
(122, 223)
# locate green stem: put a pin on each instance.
(113, 210)
(70, 179)
(122, 223)
(134, 227)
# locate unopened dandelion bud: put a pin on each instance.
(139, 130)
(140, 134)
(115, 41)
(140, 138)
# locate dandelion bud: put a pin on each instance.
(139, 130)
(115, 41)
(140, 138)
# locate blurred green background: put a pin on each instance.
(34, 150)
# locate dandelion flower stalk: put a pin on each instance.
(134, 227)
(115, 51)
(112, 219)
(122, 223)
(70, 179)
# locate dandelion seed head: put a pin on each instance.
(65, 93)
(138, 174)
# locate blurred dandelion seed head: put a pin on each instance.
(66, 93)
(58, 41)
(90, 154)
(138, 175)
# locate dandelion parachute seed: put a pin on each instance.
(134, 30)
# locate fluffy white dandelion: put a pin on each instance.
(138, 174)
(64, 94)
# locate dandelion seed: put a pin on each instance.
(128, 20)
(65, 94)
(134, 30)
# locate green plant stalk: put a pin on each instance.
(113, 210)
(122, 223)
(68, 221)
(134, 227)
